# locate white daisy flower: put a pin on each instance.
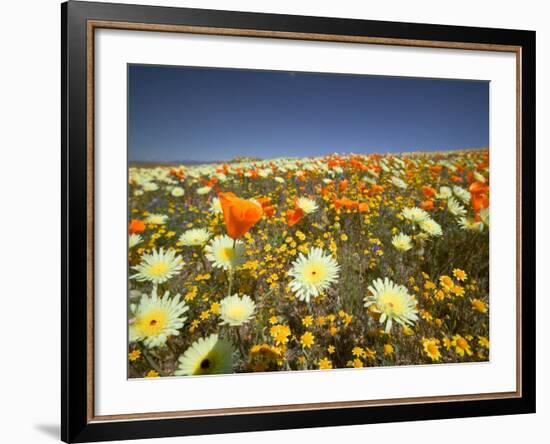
(308, 206)
(264, 172)
(177, 192)
(155, 319)
(462, 194)
(158, 267)
(279, 179)
(399, 183)
(479, 177)
(216, 206)
(455, 208)
(134, 239)
(235, 310)
(484, 215)
(156, 219)
(415, 214)
(470, 224)
(444, 193)
(393, 302)
(402, 242)
(431, 227)
(195, 237)
(225, 253)
(204, 190)
(207, 356)
(313, 274)
(150, 186)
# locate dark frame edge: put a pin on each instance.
(75, 426)
(528, 209)
(74, 213)
(64, 147)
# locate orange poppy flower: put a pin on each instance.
(294, 216)
(479, 202)
(268, 209)
(428, 191)
(136, 226)
(456, 178)
(479, 188)
(240, 215)
(427, 205)
(480, 198)
(375, 189)
(213, 181)
(363, 207)
(342, 186)
(179, 173)
(345, 202)
(223, 169)
(325, 190)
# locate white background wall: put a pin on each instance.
(30, 207)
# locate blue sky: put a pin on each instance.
(208, 114)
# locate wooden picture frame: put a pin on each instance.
(79, 22)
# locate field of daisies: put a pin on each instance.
(342, 261)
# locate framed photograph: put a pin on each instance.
(276, 221)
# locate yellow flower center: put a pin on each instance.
(446, 281)
(461, 342)
(479, 305)
(432, 349)
(205, 366)
(314, 273)
(227, 253)
(158, 269)
(391, 304)
(153, 322)
(236, 311)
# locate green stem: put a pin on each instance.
(203, 260)
(230, 278)
(231, 270)
(152, 363)
(240, 342)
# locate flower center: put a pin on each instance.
(314, 273)
(391, 304)
(236, 311)
(432, 349)
(227, 253)
(461, 343)
(158, 269)
(205, 364)
(152, 323)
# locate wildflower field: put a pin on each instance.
(314, 263)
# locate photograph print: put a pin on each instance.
(293, 221)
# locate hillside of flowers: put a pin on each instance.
(342, 261)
